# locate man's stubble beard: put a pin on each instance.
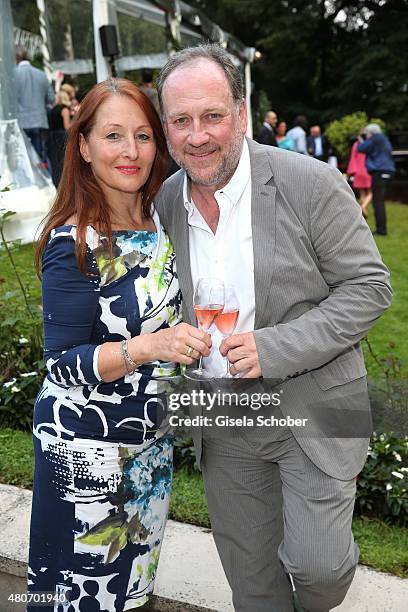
(226, 168)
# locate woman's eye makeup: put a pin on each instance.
(143, 137)
(139, 137)
(113, 136)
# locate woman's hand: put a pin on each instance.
(182, 343)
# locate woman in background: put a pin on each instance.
(59, 120)
(71, 91)
(361, 180)
(284, 141)
(112, 338)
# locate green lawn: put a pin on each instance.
(390, 328)
(383, 548)
(24, 258)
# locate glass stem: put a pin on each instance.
(228, 374)
(200, 364)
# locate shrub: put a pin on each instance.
(21, 366)
(184, 455)
(382, 490)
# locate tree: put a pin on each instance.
(376, 76)
(325, 58)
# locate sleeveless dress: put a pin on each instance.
(103, 451)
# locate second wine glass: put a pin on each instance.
(227, 320)
(208, 303)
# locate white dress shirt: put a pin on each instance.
(298, 136)
(227, 254)
(318, 146)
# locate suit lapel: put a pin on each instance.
(182, 248)
(181, 245)
(263, 216)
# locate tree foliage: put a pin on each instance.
(323, 58)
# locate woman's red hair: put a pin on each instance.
(79, 193)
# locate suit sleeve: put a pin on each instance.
(70, 303)
(49, 97)
(358, 282)
(266, 137)
(366, 146)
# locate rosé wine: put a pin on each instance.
(206, 315)
(226, 321)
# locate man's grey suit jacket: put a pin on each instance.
(320, 285)
(34, 94)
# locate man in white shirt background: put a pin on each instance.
(317, 144)
(287, 232)
(298, 134)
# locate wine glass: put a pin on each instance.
(208, 303)
(227, 320)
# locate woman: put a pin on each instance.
(284, 141)
(361, 180)
(59, 120)
(111, 307)
(72, 94)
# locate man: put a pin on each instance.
(317, 145)
(381, 166)
(34, 96)
(148, 88)
(266, 134)
(286, 231)
(298, 134)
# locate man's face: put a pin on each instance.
(204, 128)
(315, 131)
(272, 119)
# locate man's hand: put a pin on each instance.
(241, 352)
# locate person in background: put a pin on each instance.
(266, 134)
(71, 91)
(361, 180)
(298, 134)
(112, 337)
(380, 165)
(282, 139)
(148, 88)
(34, 96)
(59, 119)
(317, 144)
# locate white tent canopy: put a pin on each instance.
(31, 190)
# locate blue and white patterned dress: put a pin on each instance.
(103, 455)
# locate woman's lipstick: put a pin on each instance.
(128, 170)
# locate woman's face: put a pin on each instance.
(281, 129)
(120, 147)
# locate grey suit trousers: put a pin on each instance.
(274, 512)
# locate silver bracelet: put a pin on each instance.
(127, 358)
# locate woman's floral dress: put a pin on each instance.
(103, 451)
